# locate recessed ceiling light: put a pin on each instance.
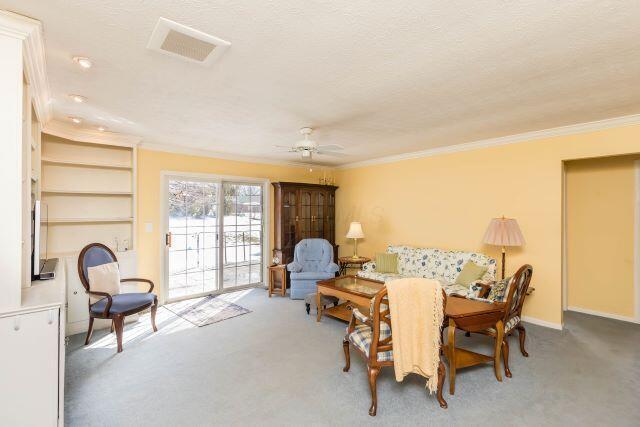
(83, 61)
(102, 128)
(78, 98)
(76, 120)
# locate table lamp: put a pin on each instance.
(355, 233)
(503, 232)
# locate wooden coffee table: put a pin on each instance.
(356, 291)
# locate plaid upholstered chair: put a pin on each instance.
(371, 336)
(516, 291)
(113, 307)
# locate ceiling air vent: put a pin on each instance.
(187, 43)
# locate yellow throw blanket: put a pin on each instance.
(416, 307)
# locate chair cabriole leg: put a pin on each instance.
(154, 309)
(119, 324)
(505, 356)
(441, 374)
(373, 378)
(347, 357)
(89, 331)
(522, 335)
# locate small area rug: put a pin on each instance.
(205, 311)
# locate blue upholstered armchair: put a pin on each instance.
(113, 307)
(312, 261)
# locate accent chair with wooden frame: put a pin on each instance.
(113, 307)
(512, 320)
(371, 336)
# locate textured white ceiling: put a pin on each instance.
(379, 78)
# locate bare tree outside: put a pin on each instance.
(198, 243)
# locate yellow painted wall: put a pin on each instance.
(150, 166)
(600, 234)
(447, 201)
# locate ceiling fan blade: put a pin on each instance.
(330, 147)
(329, 153)
(288, 147)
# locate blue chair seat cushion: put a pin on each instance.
(312, 275)
(124, 302)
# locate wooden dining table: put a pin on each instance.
(471, 315)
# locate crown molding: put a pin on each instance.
(201, 152)
(30, 32)
(503, 140)
(75, 133)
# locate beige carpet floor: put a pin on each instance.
(277, 366)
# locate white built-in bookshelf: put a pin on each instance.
(89, 189)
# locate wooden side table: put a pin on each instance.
(278, 279)
(475, 316)
(345, 262)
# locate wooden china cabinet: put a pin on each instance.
(303, 211)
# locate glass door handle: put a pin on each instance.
(167, 239)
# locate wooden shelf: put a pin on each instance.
(86, 220)
(50, 161)
(88, 192)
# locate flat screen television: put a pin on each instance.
(42, 267)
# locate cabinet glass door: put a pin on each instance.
(318, 214)
(304, 222)
(331, 217)
(289, 223)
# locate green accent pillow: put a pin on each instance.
(387, 263)
(470, 273)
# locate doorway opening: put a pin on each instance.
(601, 237)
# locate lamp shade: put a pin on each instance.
(355, 231)
(503, 232)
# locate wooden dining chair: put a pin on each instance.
(113, 307)
(371, 337)
(512, 320)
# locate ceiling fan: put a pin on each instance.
(307, 147)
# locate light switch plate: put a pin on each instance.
(148, 227)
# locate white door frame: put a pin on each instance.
(636, 233)
(165, 176)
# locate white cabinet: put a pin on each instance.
(29, 368)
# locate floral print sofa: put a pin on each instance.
(432, 263)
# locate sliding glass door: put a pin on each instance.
(207, 252)
(242, 239)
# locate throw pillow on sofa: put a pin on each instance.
(387, 263)
(470, 273)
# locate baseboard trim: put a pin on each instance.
(603, 314)
(540, 322)
(81, 326)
